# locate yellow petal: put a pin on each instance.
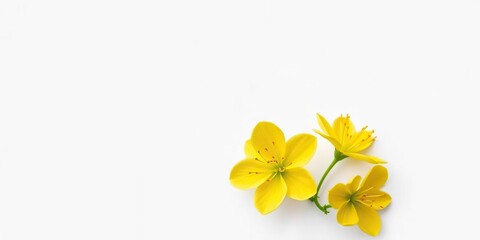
(250, 173)
(376, 178)
(337, 127)
(332, 140)
(352, 185)
(369, 159)
(268, 141)
(250, 151)
(369, 220)
(324, 125)
(347, 215)
(338, 195)
(270, 194)
(343, 129)
(375, 199)
(300, 149)
(300, 184)
(361, 141)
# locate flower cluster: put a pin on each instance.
(275, 167)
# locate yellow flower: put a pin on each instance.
(359, 205)
(346, 139)
(275, 167)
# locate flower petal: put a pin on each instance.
(347, 215)
(332, 140)
(338, 195)
(369, 159)
(352, 185)
(376, 178)
(268, 141)
(250, 173)
(324, 125)
(375, 199)
(361, 141)
(250, 151)
(270, 194)
(369, 220)
(343, 129)
(300, 149)
(300, 183)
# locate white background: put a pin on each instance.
(122, 119)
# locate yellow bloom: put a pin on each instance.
(275, 167)
(359, 205)
(346, 139)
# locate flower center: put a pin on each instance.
(281, 169)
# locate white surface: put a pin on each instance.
(122, 119)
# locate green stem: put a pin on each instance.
(325, 175)
(324, 208)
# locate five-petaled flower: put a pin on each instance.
(275, 167)
(359, 205)
(346, 139)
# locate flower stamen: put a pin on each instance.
(272, 177)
